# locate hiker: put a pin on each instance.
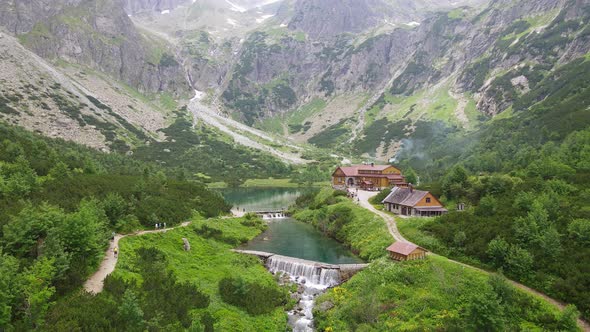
(156, 226)
(113, 236)
(164, 225)
(116, 251)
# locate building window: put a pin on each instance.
(427, 199)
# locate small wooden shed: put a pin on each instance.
(405, 251)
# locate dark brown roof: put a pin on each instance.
(403, 248)
(405, 196)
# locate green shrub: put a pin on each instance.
(377, 199)
(253, 297)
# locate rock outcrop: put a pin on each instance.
(97, 34)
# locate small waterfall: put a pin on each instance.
(307, 272)
(268, 216)
(312, 279)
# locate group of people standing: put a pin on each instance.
(353, 194)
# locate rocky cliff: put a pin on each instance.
(133, 7)
(452, 62)
(97, 34)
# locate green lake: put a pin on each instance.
(287, 236)
(292, 238)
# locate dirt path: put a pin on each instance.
(235, 129)
(392, 227)
(95, 283)
(389, 220)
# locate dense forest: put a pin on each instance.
(60, 203)
(532, 223)
(526, 178)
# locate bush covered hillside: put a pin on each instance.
(59, 204)
(430, 294)
(433, 295)
(158, 286)
(207, 154)
(530, 216)
(526, 177)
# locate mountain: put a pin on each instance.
(485, 102)
(329, 18)
(383, 82)
(113, 86)
(368, 78)
(99, 35)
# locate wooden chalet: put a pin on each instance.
(368, 177)
(405, 251)
(415, 203)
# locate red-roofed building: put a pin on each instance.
(405, 251)
(368, 177)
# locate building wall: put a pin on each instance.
(433, 201)
(392, 170)
(391, 208)
(338, 181)
(338, 178)
(377, 182)
(418, 253)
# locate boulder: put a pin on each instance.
(325, 306)
(187, 245)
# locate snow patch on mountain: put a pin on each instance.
(235, 7)
(263, 18)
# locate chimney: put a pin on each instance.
(372, 164)
(411, 186)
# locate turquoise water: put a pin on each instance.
(289, 237)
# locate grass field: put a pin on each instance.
(410, 229)
(431, 295)
(207, 262)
